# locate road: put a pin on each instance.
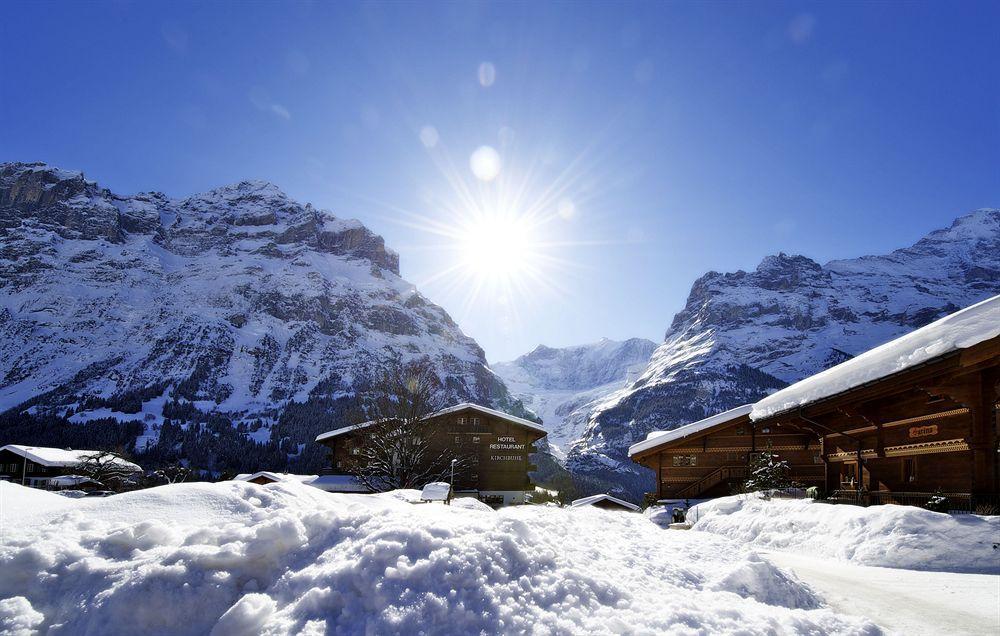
(910, 602)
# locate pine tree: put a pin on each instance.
(767, 471)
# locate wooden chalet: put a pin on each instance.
(496, 445)
(50, 468)
(709, 458)
(911, 418)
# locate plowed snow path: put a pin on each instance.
(911, 602)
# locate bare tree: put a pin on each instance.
(110, 469)
(171, 474)
(400, 449)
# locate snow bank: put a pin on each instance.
(887, 536)
(238, 558)
(15, 497)
(960, 330)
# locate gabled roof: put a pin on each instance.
(57, 457)
(591, 500)
(451, 409)
(305, 479)
(658, 438)
(960, 330)
(339, 483)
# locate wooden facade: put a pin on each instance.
(931, 428)
(495, 448)
(711, 461)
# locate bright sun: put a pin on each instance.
(497, 246)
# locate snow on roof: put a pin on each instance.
(436, 491)
(45, 456)
(71, 480)
(451, 409)
(339, 483)
(657, 438)
(591, 500)
(305, 479)
(960, 330)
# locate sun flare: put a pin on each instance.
(497, 247)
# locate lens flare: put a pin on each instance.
(485, 163)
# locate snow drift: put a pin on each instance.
(886, 536)
(238, 558)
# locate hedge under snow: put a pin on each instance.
(238, 558)
(888, 536)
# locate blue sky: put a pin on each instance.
(685, 137)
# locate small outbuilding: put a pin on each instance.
(606, 502)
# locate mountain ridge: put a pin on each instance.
(236, 308)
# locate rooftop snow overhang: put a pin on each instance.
(660, 440)
(976, 326)
(513, 419)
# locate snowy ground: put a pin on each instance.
(237, 558)
(911, 602)
(951, 584)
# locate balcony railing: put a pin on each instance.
(956, 502)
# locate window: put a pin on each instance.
(461, 421)
(909, 470)
(475, 421)
(685, 460)
(356, 451)
(475, 439)
(740, 430)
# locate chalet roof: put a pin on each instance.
(960, 330)
(591, 500)
(339, 483)
(57, 457)
(451, 409)
(329, 483)
(658, 438)
(305, 479)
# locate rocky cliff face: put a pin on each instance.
(742, 335)
(235, 309)
(563, 385)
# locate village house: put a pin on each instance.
(909, 420)
(42, 467)
(912, 419)
(495, 448)
(605, 502)
(709, 458)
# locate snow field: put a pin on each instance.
(886, 536)
(238, 558)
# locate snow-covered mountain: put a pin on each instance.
(562, 385)
(238, 308)
(742, 335)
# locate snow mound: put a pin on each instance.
(18, 497)
(760, 580)
(886, 536)
(285, 558)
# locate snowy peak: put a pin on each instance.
(250, 216)
(579, 367)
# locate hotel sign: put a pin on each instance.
(509, 444)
